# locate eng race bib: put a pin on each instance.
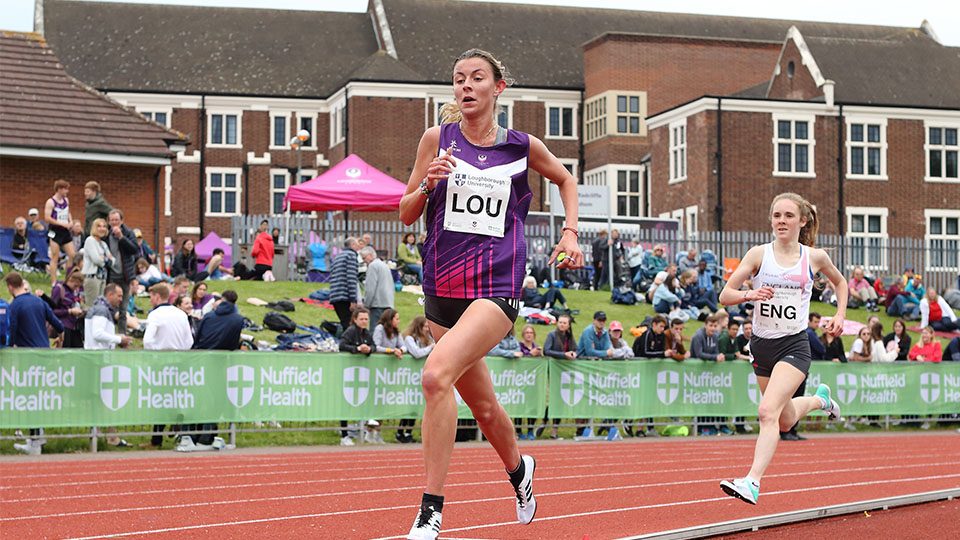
(780, 313)
(477, 203)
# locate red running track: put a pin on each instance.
(606, 490)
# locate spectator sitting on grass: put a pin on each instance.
(834, 345)
(216, 268)
(386, 335)
(181, 286)
(203, 302)
(186, 263)
(668, 275)
(417, 337)
(655, 263)
(936, 312)
(220, 329)
(532, 298)
(952, 352)
(409, 256)
(665, 298)
(148, 275)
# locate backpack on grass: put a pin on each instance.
(278, 322)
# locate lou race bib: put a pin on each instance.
(780, 313)
(477, 203)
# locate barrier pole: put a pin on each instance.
(93, 439)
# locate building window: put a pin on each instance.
(560, 122)
(306, 122)
(503, 119)
(793, 146)
(678, 151)
(866, 149)
(628, 114)
(867, 231)
(943, 239)
(158, 117)
(338, 127)
(941, 150)
(279, 138)
(594, 120)
(549, 187)
(223, 191)
(279, 183)
(224, 129)
(628, 193)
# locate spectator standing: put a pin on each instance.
(56, 213)
(417, 337)
(861, 291)
(76, 235)
(220, 329)
(817, 349)
(262, 252)
(318, 256)
(96, 260)
(386, 335)
(96, 207)
(635, 256)
(185, 263)
(900, 337)
(743, 340)
(344, 282)
(600, 251)
(378, 287)
(98, 328)
(595, 340)
(122, 269)
(66, 296)
(928, 349)
(652, 343)
(936, 312)
(619, 346)
(28, 318)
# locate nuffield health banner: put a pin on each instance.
(656, 388)
(48, 388)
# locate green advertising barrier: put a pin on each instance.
(62, 387)
(656, 388)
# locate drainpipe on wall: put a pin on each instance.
(840, 168)
(203, 155)
(719, 160)
(156, 212)
(245, 181)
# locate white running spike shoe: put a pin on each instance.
(526, 503)
(742, 489)
(427, 524)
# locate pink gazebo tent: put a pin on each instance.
(351, 184)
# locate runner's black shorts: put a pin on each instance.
(447, 311)
(765, 353)
(59, 235)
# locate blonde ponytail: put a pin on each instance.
(450, 113)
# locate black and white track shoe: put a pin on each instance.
(526, 504)
(427, 525)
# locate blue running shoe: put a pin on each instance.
(833, 408)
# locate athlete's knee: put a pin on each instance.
(434, 383)
(767, 414)
(485, 411)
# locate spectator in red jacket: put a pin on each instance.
(262, 252)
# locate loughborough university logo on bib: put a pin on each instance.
(477, 203)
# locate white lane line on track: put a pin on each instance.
(593, 463)
(416, 459)
(393, 477)
(418, 487)
(679, 503)
(407, 507)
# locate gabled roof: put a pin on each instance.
(165, 48)
(543, 45)
(912, 70)
(41, 107)
(141, 47)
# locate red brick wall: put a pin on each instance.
(28, 183)
(801, 85)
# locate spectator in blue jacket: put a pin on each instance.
(818, 351)
(4, 322)
(220, 329)
(28, 316)
(595, 340)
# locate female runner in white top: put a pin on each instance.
(782, 275)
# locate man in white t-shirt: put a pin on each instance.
(168, 328)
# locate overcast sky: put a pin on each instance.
(944, 15)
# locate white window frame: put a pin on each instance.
(882, 145)
(616, 193)
(928, 238)
(313, 131)
(286, 143)
(152, 111)
(437, 104)
(600, 115)
(677, 148)
(595, 118)
(640, 115)
(167, 189)
(927, 147)
(337, 113)
(574, 163)
(547, 105)
(274, 211)
(867, 236)
(810, 142)
(224, 112)
(238, 190)
(691, 220)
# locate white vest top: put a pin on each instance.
(786, 313)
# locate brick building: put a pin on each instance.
(864, 129)
(242, 81)
(53, 127)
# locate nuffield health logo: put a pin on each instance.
(846, 387)
(240, 385)
(115, 386)
(356, 385)
(668, 386)
(930, 387)
(571, 387)
(753, 389)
